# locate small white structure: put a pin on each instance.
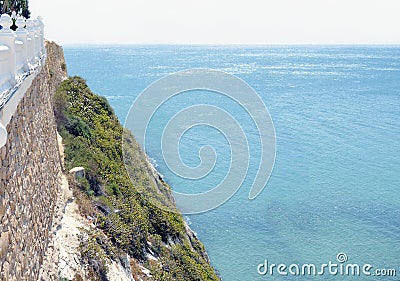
(77, 172)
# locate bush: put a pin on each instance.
(77, 127)
(84, 185)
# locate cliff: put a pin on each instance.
(96, 226)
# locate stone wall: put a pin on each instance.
(30, 171)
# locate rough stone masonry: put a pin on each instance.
(30, 175)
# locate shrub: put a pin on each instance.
(77, 127)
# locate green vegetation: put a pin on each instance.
(21, 7)
(126, 218)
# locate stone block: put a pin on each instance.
(4, 242)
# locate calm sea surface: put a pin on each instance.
(335, 187)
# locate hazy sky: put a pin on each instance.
(220, 21)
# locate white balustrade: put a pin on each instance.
(21, 50)
(30, 41)
(21, 47)
(7, 52)
(37, 38)
(41, 24)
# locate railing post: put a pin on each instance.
(41, 24)
(3, 135)
(22, 45)
(7, 39)
(31, 41)
(37, 39)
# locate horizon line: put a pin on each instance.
(236, 44)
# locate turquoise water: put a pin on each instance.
(335, 187)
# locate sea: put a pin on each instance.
(333, 197)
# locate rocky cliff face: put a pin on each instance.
(99, 227)
(128, 233)
(29, 175)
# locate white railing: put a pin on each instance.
(21, 51)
